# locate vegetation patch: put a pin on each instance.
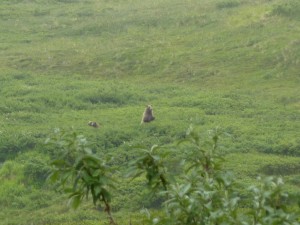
(290, 9)
(228, 4)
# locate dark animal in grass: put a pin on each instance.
(93, 124)
(148, 115)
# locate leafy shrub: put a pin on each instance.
(35, 167)
(201, 192)
(80, 173)
(11, 145)
(269, 203)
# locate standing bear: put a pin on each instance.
(148, 115)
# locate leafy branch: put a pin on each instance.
(81, 173)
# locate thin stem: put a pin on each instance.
(108, 210)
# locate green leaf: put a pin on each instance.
(69, 190)
(97, 190)
(96, 173)
(185, 189)
(86, 177)
(59, 163)
(75, 201)
(106, 195)
(53, 177)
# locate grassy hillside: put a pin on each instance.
(230, 63)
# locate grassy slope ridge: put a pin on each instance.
(230, 63)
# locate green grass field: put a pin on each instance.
(233, 64)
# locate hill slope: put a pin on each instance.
(230, 63)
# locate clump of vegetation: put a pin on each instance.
(228, 4)
(80, 173)
(200, 192)
(289, 9)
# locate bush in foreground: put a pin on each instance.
(197, 192)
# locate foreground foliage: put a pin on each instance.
(199, 192)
